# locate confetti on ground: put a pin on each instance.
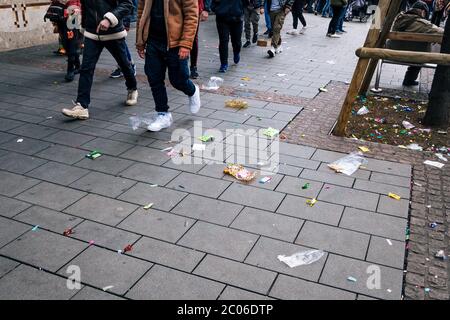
(265, 180)
(91, 242)
(417, 184)
(389, 242)
(153, 185)
(206, 138)
(245, 79)
(311, 202)
(389, 290)
(148, 206)
(68, 232)
(107, 288)
(236, 104)
(364, 149)
(239, 172)
(394, 196)
(351, 279)
(19, 140)
(323, 89)
(127, 248)
(35, 228)
(270, 132)
(305, 186)
(198, 147)
(441, 157)
(93, 155)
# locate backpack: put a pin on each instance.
(55, 13)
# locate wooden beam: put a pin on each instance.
(416, 37)
(404, 56)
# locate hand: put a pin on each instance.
(103, 25)
(261, 11)
(141, 53)
(286, 11)
(204, 16)
(184, 53)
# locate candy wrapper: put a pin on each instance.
(239, 172)
(236, 104)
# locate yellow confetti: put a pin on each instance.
(245, 78)
(394, 196)
(311, 202)
(148, 206)
(364, 149)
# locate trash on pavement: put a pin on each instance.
(322, 89)
(35, 228)
(364, 149)
(239, 172)
(265, 179)
(68, 232)
(311, 202)
(107, 288)
(148, 206)
(441, 157)
(206, 138)
(434, 164)
(389, 242)
(153, 185)
(394, 196)
(441, 255)
(427, 290)
(362, 111)
(93, 155)
(214, 83)
(245, 79)
(348, 164)
(236, 104)
(127, 248)
(414, 146)
(433, 225)
(91, 242)
(19, 140)
(351, 279)
(407, 125)
(305, 186)
(301, 258)
(270, 132)
(198, 147)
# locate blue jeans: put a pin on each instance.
(157, 60)
(267, 17)
(340, 26)
(327, 9)
(91, 53)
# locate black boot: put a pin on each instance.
(246, 44)
(255, 38)
(77, 65)
(70, 75)
(194, 73)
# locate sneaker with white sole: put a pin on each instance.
(194, 101)
(333, 35)
(132, 97)
(77, 112)
(293, 32)
(271, 52)
(162, 120)
(302, 30)
(279, 49)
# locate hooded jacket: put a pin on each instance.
(228, 8)
(95, 11)
(285, 4)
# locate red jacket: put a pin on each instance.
(201, 5)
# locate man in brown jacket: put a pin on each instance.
(165, 35)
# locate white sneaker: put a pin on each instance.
(334, 36)
(194, 101)
(293, 32)
(271, 52)
(302, 30)
(132, 98)
(77, 112)
(162, 121)
(279, 49)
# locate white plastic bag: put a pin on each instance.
(301, 258)
(137, 121)
(362, 111)
(348, 164)
(214, 83)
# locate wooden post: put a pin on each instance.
(404, 56)
(361, 68)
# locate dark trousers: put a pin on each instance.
(71, 43)
(157, 60)
(437, 17)
(297, 14)
(332, 27)
(411, 74)
(229, 27)
(194, 51)
(91, 54)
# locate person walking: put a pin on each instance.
(164, 38)
(203, 9)
(297, 14)
(438, 12)
(252, 10)
(103, 28)
(117, 73)
(278, 9)
(337, 7)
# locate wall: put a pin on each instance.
(22, 24)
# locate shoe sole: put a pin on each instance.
(130, 104)
(76, 117)
(271, 54)
(158, 129)
(116, 77)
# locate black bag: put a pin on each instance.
(55, 13)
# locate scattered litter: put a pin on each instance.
(199, 147)
(93, 155)
(281, 74)
(408, 125)
(107, 288)
(68, 232)
(348, 164)
(180, 186)
(206, 138)
(136, 121)
(302, 258)
(245, 79)
(91, 242)
(49, 118)
(239, 172)
(127, 248)
(331, 62)
(119, 251)
(380, 120)
(351, 279)
(172, 153)
(389, 242)
(186, 224)
(433, 225)
(427, 290)
(270, 132)
(167, 149)
(394, 196)
(148, 206)
(311, 202)
(429, 206)
(35, 228)
(265, 180)
(441, 157)
(364, 149)
(214, 83)
(434, 164)
(305, 186)
(236, 104)
(362, 111)
(389, 290)
(322, 89)
(417, 184)
(442, 132)
(19, 140)
(425, 130)
(153, 185)
(414, 146)
(441, 255)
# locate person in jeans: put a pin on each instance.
(229, 22)
(165, 35)
(117, 73)
(340, 24)
(203, 9)
(297, 14)
(278, 9)
(251, 18)
(337, 6)
(103, 28)
(268, 32)
(327, 11)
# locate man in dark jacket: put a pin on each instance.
(102, 26)
(252, 10)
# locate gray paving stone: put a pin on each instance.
(57, 173)
(132, 139)
(265, 123)
(321, 212)
(362, 297)
(263, 113)
(229, 116)
(206, 209)
(380, 251)
(10, 207)
(88, 293)
(284, 116)
(288, 170)
(253, 197)
(43, 249)
(101, 209)
(19, 163)
(69, 138)
(62, 154)
(5, 137)
(399, 208)
(33, 131)
(391, 179)
(162, 283)
(288, 288)
(104, 236)
(103, 184)
(107, 146)
(51, 196)
(94, 131)
(374, 223)
(333, 239)
(48, 219)
(8, 124)
(157, 224)
(147, 155)
(26, 283)
(268, 224)
(360, 174)
(101, 268)
(105, 164)
(162, 198)
(192, 183)
(388, 167)
(10, 230)
(296, 150)
(382, 188)
(328, 177)
(236, 274)
(294, 186)
(283, 107)
(232, 293)
(266, 251)
(349, 197)
(338, 269)
(214, 170)
(149, 173)
(327, 156)
(167, 254)
(192, 168)
(218, 240)
(299, 162)
(6, 265)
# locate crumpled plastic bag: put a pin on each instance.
(362, 111)
(301, 258)
(214, 83)
(137, 121)
(239, 172)
(348, 164)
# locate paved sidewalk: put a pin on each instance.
(206, 236)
